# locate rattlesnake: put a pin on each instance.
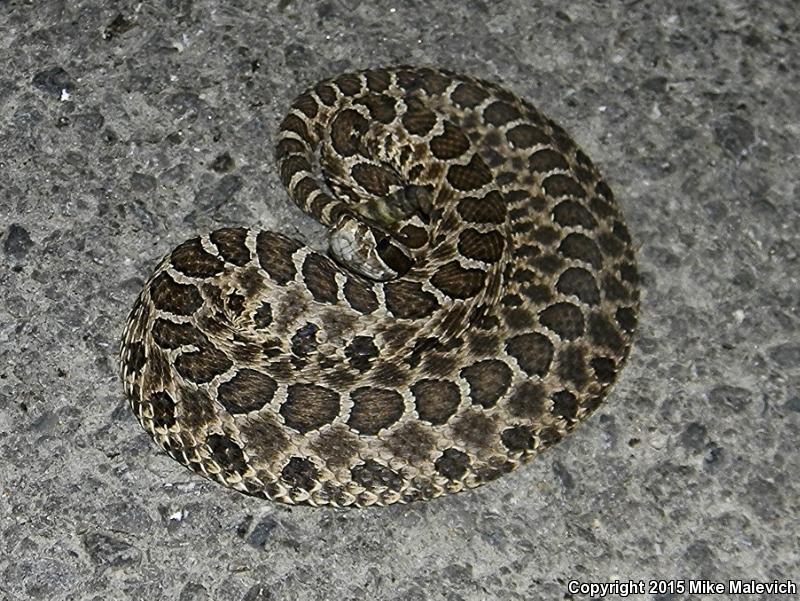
(481, 303)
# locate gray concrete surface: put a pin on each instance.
(126, 128)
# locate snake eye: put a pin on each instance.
(393, 257)
(383, 244)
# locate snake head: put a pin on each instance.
(368, 249)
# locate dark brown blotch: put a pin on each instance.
(548, 263)
(528, 400)
(378, 80)
(418, 119)
(565, 404)
(604, 368)
(412, 441)
(626, 318)
(570, 213)
(359, 295)
(488, 381)
(381, 107)
(581, 283)
(511, 300)
(546, 234)
(249, 390)
(550, 436)
(306, 104)
(275, 256)
(135, 356)
(583, 160)
(172, 297)
(231, 244)
(475, 428)
(436, 400)
(190, 258)
(496, 467)
(518, 438)
(204, 365)
(537, 293)
(486, 247)
(545, 160)
(580, 247)
(524, 200)
(499, 113)
(374, 179)
(394, 257)
(408, 300)
(584, 175)
(572, 366)
(562, 185)
(526, 136)
(390, 374)
(621, 232)
(491, 141)
(494, 159)
(561, 140)
(262, 318)
(489, 209)
(346, 129)
(408, 78)
(523, 276)
(360, 352)
(234, 303)
(303, 189)
(450, 144)
(374, 476)
(226, 453)
(434, 82)
(533, 352)
(614, 289)
(601, 207)
(374, 409)
(349, 84)
(170, 335)
(453, 464)
(412, 236)
(565, 319)
(163, 408)
(288, 146)
(468, 95)
(263, 436)
(295, 124)
(629, 273)
(422, 346)
(197, 408)
(611, 245)
(300, 473)
(517, 319)
(309, 407)
(291, 166)
(471, 176)
(603, 332)
(337, 446)
(457, 282)
(325, 93)
(440, 365)
(319, 273)
(603, 190)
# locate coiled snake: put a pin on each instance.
(479, 304)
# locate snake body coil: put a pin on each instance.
(480, 305)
